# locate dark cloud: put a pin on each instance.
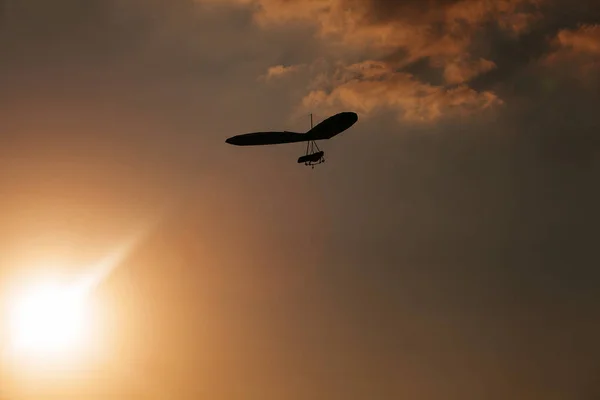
(381, 11)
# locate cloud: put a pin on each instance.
(439, 29)
(279, 71)
(369, 32)
(372, 86)
(576, 48)
(586, 39)
(463, 69)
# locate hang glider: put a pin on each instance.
(323, 131)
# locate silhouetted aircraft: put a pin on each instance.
(323, 131)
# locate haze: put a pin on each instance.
(447, 249)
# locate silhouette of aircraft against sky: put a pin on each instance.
(323, 131)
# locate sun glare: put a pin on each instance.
(48, 319)
(51, 325)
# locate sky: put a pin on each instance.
(447, 249)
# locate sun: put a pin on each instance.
(47, 319)
(51, 322)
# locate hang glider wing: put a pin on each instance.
(323, 131)
(266, 138)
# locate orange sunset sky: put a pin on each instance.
(447, 249)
